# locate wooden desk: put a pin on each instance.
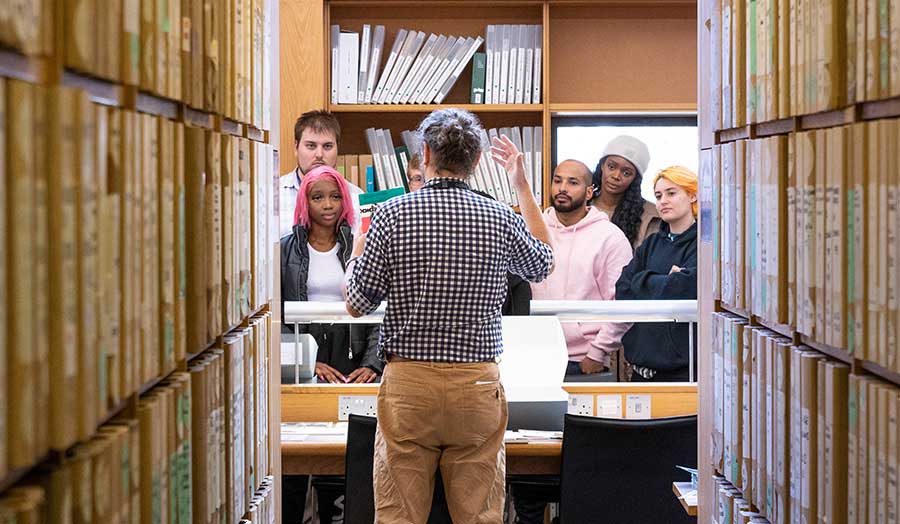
(327, 458)
(319, 402)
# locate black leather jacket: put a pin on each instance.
(334, 340)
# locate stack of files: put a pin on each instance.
(490, 177)
(420, 68)
(512, 68)
(390, 163)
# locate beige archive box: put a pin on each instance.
(195, 237)
(857, 197)
(891, 137)
(80, 35)
(234, 426)
(199, 464)
(228, 277)
(179, 244)
(167, 210)
(853, 506)
(244, 188)
(249, 402)
(893, 495)
(4, 369)
(716, 441)
(791, 220)
(836, 268)
(61, 184)
(780, 450)
(809, 435)
(213, 27)
(819, 281)
(124, 178)
(20, 328)
(877, 250)
(86, 250)
(41, 269)
(26, 503)
(130, 42)
(758, 421)
(213, 234)
(873, 452)
(111, 253)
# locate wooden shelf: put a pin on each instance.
(253, 133)
(735, 311)
(634, 107)
(880, 109)
(833, 352)
(21, 67)
(13, 476)
(154, 105)
(101, 91)
(782, 329)
(231, 127)
(737, 133)
(197, 118)
(777, 127)
(679, 489)
(427, 108)
(886, 374)
(828, 118)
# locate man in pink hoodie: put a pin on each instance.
(590, 254)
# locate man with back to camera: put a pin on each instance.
(439, 256)
(591, 252)
(316, 138)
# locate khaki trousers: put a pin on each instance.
(451, 416)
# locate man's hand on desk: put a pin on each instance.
(590, 366)
(328, 374)
(361, 375)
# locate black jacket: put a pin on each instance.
(344, 347)
(661, 346)
(518, 296)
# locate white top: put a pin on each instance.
(323, 282)
(289, 185)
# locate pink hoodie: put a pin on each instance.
(589, 257)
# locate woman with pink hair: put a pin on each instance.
(313, 259)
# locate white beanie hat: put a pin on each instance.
(631, 149)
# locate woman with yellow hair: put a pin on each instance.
(664, 267)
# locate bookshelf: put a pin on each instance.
(133, 169)
(583, 70)
(836, 240)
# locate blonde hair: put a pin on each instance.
(681, 177)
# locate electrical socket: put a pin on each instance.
(581, 405)
(357, 405)
(609, 406)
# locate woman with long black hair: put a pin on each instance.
(617, 188)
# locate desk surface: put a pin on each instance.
(318, 449)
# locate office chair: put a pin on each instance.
(621, 471)
(359, 497)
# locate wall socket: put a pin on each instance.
(357, 405)
(581, 405)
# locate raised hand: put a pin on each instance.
(504, 151)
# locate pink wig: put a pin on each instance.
(301, 212)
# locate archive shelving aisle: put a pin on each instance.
(137, 261)
(799, 131)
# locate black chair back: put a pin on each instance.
(359, 497)
(621, 471)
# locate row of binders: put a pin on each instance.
(808, 234)
(189, 454)
(214, 55)
(779, 58)
(390, 164)
(509, 72)
(784, 418)
(420, 68)
(131, 241)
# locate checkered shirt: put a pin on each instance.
(439, 257)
